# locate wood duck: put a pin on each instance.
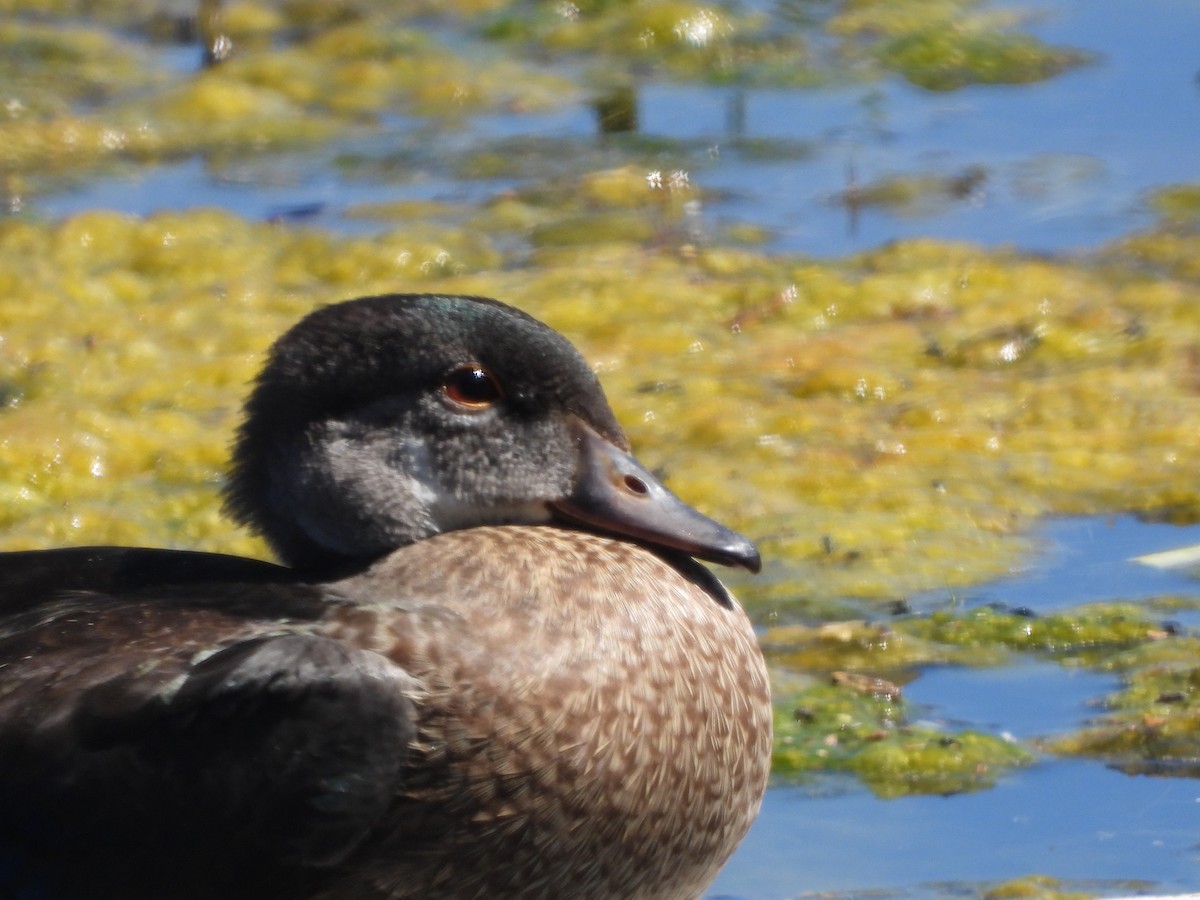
(491, 666)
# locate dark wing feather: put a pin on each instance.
(158, 746)
(31, 577)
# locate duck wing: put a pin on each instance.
(192, 741)
(32, 577)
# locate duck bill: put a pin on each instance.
(615, 493)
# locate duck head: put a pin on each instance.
(383, 421)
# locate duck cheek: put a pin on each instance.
(509, 463)
(335, 480)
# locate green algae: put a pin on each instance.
(1036, 887)
(943, 58)
(915, 194)
(885, 425)
(1103, 636)
(1152, 725)
(860, 722)
(80, 98)
(682, 40)
(298, 74)
(949, 44)
(894, 648)
(48, 70)
(1169, 249)
(939, 46)
(846, 726)
(1177, 204)
(1087, 636)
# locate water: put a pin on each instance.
(1093, 559)
(1067, 162)
(1075, 820)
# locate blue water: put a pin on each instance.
(1068, 162)
(1093, 559)
(1072, 819)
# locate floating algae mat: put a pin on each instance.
(884, 425)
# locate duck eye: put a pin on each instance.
(472, 386)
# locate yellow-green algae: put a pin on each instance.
(705, 41)
(938, 45)
(1086, 636)
(915, 194)
(843, 726)
(81, 98)
(943, 45)
(859, 722)
(47, 70)
(1040, 887)
(1152, 725)
(300, 73)
(1178, 204)
(884, 424)
(861, 646)
(1105, 636)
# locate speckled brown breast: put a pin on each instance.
(594, 722)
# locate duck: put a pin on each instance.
(489, 663)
